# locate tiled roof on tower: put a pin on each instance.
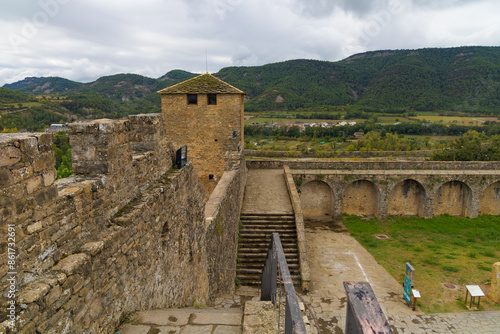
(202, 84)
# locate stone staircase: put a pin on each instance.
(255, 238)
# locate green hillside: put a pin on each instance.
(461, 79)
(40, 86)
(465, 78)
(8, 96)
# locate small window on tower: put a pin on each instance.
(212, 98)
(192, 99)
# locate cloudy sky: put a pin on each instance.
(84, 39)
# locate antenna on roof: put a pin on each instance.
(206, 59)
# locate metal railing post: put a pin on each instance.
(269, 274)
(294, 323)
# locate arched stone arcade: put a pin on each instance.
(407, 198)
(490, 200)
(453, 198)
(316, 199)
(361, 197)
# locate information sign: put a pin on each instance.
(409, 277)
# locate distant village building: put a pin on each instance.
(342, 123)
(57, 127)
(206, 114)
(351, 123)
(359, 134)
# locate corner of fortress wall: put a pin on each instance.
(126, 232)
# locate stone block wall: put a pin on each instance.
(125, 233)
(375, 165)
(222, 215)
(209, 131)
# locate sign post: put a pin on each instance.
(409, 277)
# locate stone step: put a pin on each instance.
(255, 238)
(255, 214)
(265, 244)
(264, 220)
(255, 280)
(260, 250)
(258, 266)
(280, 231)
(268, 226)
(267, 234)
(262, 256)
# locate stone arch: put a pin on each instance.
(490, 200)
(407, 198)
(361, 197)
(453, 198)
(316, 199)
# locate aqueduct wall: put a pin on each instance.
(383, 188)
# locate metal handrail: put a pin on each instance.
(294, 323)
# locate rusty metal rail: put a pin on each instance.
(294, 323)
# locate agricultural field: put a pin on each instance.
(454, 119)
(443, 250)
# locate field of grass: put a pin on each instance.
(270, 120)
(24, 104)
(289, 144)
(455, 119)
(444, 249)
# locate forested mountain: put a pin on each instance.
(11, 96)
(462, 78)
(40, 86)
(465, 78)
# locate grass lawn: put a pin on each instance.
(444, 249)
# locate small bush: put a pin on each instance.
(431, 261)
(450, 268)
(485, 268)
(488, 253)
(472, 255)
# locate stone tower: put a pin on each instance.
(206, 114)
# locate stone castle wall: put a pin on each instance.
(373, 165)
(127, 232)
(209, 131)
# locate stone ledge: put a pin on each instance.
(299, 223)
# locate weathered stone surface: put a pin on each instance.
(72, 263)
(9, 155)
(33, 292)
(34, 227)
(135, 329)
(259, 318)
(126, 223)
(207, 145)
(53, 295)
(494, 294)
(93, 248)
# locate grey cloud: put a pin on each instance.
(325, 8)
(88, 39)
